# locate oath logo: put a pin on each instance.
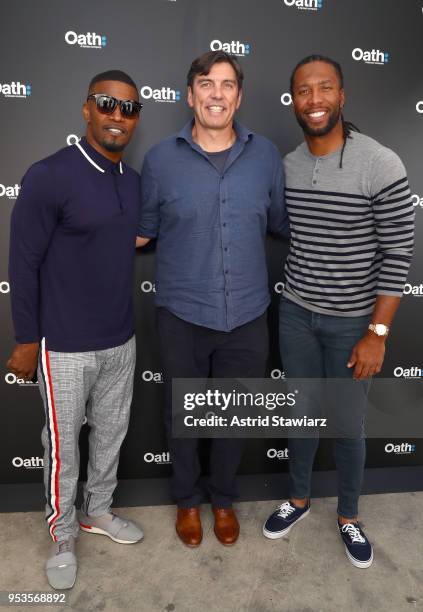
(305, 5)
(414, 290)
(4, 287)
(148, 287)
(286, 99)
(400, 449)
(149, 376)
(274, 453)
(279, 287)
(417, 200)
(10, 191)
(375, 56)
(12, 379)
(90, 40)
(413, 372)
(162, 94)
(235, 47)
(16, 89)
(72, 139)
(419, 106)
(160, 459)
(30, 463)
(277, 374)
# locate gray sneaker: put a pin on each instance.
(119, 530)
(61, 566)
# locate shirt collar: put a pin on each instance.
(101, 163)
(242, 133)
(310, 155)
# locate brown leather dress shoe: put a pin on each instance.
(188, 526)
(226, 526)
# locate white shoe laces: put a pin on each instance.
(354, 532)
(285, 509)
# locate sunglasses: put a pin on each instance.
(107, 104)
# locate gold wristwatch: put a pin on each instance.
(379, 329)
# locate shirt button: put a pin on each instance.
(226, 271)
(226, 248)
(224, 224)
(314, 182)
(227, 293)
(317, 170)
(223, 200)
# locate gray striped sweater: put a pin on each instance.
(351, 228)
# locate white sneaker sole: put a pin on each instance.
(356, 562)
(272, 535)
(99, 531)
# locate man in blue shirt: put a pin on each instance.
(71, 261)
(209, 194)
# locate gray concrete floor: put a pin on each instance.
(304, 572)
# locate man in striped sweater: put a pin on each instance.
(352, 224)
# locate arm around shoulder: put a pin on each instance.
(140, 242)
(149, 213)
(278, 221)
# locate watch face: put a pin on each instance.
(380, 329)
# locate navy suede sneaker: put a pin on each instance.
(357, 546)
(285, 516)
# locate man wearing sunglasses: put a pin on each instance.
(71, 261)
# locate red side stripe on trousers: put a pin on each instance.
(57, 454)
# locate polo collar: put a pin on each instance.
(101, 163)
(242, 133)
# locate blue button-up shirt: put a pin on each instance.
(211, 226)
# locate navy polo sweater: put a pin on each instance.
(72, 248)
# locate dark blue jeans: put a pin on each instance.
(314, 345)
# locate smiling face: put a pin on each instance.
(214, 97)
(109, 134)
(318, 98)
